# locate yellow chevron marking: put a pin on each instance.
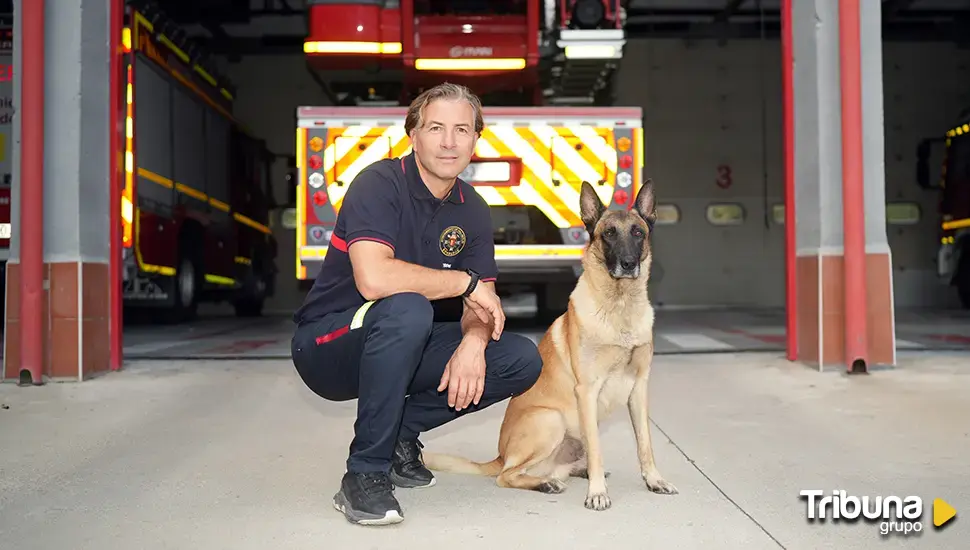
(597, 152)
(568, 183)
(484, 147)
(341, 143)
(543, 144)
(564, 153)
(537, 174)
(401, 148)
(379, 148)
(508, 195)
(529, 189)
(530, 195)
(541, 170)
(547, 153)
(585, 153)
(597, 144)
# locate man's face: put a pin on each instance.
(445, 142)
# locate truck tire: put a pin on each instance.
(250, 304)
(963, 274)
(186, 285)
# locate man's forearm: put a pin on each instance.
(474, 329)
(395, 276)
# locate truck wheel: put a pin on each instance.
(186, 287)
(251, 303)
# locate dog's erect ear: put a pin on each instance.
(646, 203)
(590, 207)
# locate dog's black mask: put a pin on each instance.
(622, 233)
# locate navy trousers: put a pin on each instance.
(390, 355)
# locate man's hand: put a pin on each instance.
(464, 375)
(488, 307)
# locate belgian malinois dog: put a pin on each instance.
(596, 355)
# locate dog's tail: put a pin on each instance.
(459, 465)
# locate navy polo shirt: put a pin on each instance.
(389, 203)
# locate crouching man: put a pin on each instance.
(409, 233)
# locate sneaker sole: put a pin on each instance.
(406, 483)
(363, 518)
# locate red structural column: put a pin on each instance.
(788, 125)
(115, 166)
(853, 188)
(31, 192)
(407, 32)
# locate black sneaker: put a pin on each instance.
(407, 469)
(367, 499)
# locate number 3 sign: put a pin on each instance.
(723, 176)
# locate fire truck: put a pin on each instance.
(196, 196)
(6, 139)
(544, 72)
(953, 258)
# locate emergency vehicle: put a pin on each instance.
(528, 165)
(196, 194)
(6, 141)
(953, 260)
(544, 70)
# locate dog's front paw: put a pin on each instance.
(659, 485)
(552, 487)
(598, 501)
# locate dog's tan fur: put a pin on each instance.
(596, 356)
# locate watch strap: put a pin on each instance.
(472, 284)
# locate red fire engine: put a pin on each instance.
(196, 191)
(544, 73)
(511, 52)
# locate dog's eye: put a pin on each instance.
(610, 232)
(637, 231)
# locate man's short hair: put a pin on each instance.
(448, 91)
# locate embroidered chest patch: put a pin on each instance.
(452, 241)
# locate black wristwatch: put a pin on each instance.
(471, 284)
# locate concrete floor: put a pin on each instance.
(238, 454)
(220, 335)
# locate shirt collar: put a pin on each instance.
(417, 187)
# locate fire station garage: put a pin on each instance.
(173, 170)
